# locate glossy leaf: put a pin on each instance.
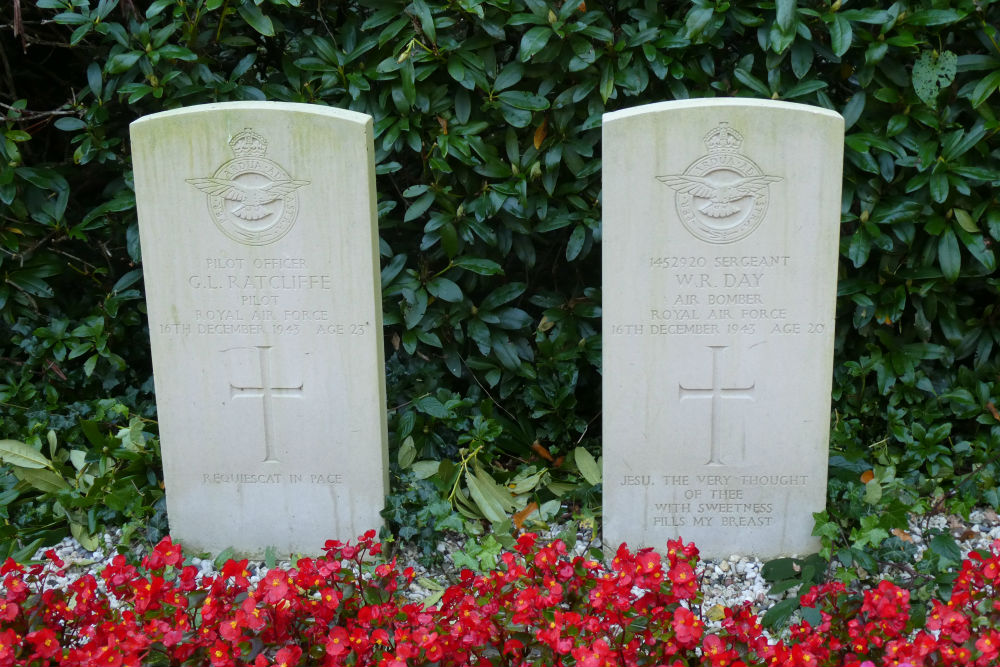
(16, 453)
(589, 468)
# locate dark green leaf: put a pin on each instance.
(533, 41)
(933, 72)
(508, 76)
(431, 406)
(506, 353)
(977, 247)
(255, 18)
(426, 19)
(939, 187)
(502, 294)
(949, 255)
(802, 57)
(778, 569)
(121, 62)
(414, 312)
(853, 109)
(696, 21)
(445, 290)
(946, 548)
(576, 241)
(812, 616)
(804, 88)
(392, 270)
(522, 100)
(752, 82)
(778, 615)
(484, 267)
(70, 124)
(859, 249)
(929, 17)
(986, 87)
(407, 81)
(841, 35)
(786, 10)
(419, 207)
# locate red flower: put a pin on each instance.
(10, 565)
(434, 652)
(188, 579)
(330, 597)
(337, 642)
(513, 646)
(54, 558)
(594, 655)
(525, 543)
(275, 585)
(45, 641)
(9, 641)
(647, 562)
(687, 628)
(681, 574)
(231, 631)
(715, 650)
(8, 610)
(107, 656)
(219, 655)
(950, 622)
(989, 646)
(287, 657)
(118, 572)
(17, 590)
(170, 553)
(238, 570)
(676, 549)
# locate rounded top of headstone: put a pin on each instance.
(261, 107)
(719, 102)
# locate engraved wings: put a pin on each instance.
(251, 198)
(721, 195)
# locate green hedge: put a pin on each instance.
(487, 119)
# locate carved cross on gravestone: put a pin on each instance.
(717, 393)
(267, 392)
(719, 245)
(259, 231)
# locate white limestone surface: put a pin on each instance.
(720, 243)
(259, 243)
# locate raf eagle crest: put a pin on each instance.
(722, 196)
(252, 200)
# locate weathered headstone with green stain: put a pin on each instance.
(259, 243)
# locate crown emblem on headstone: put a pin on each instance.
(248, 144)
(252, 200)
(724, 138)
(723, 195)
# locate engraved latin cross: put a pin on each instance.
(717, 393)
(267, 392)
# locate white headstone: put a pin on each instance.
(259, 241)
(720, 243)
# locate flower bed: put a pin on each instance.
(541, 607)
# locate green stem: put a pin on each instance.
(222, 16)
(463, 465)
(451, 265)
